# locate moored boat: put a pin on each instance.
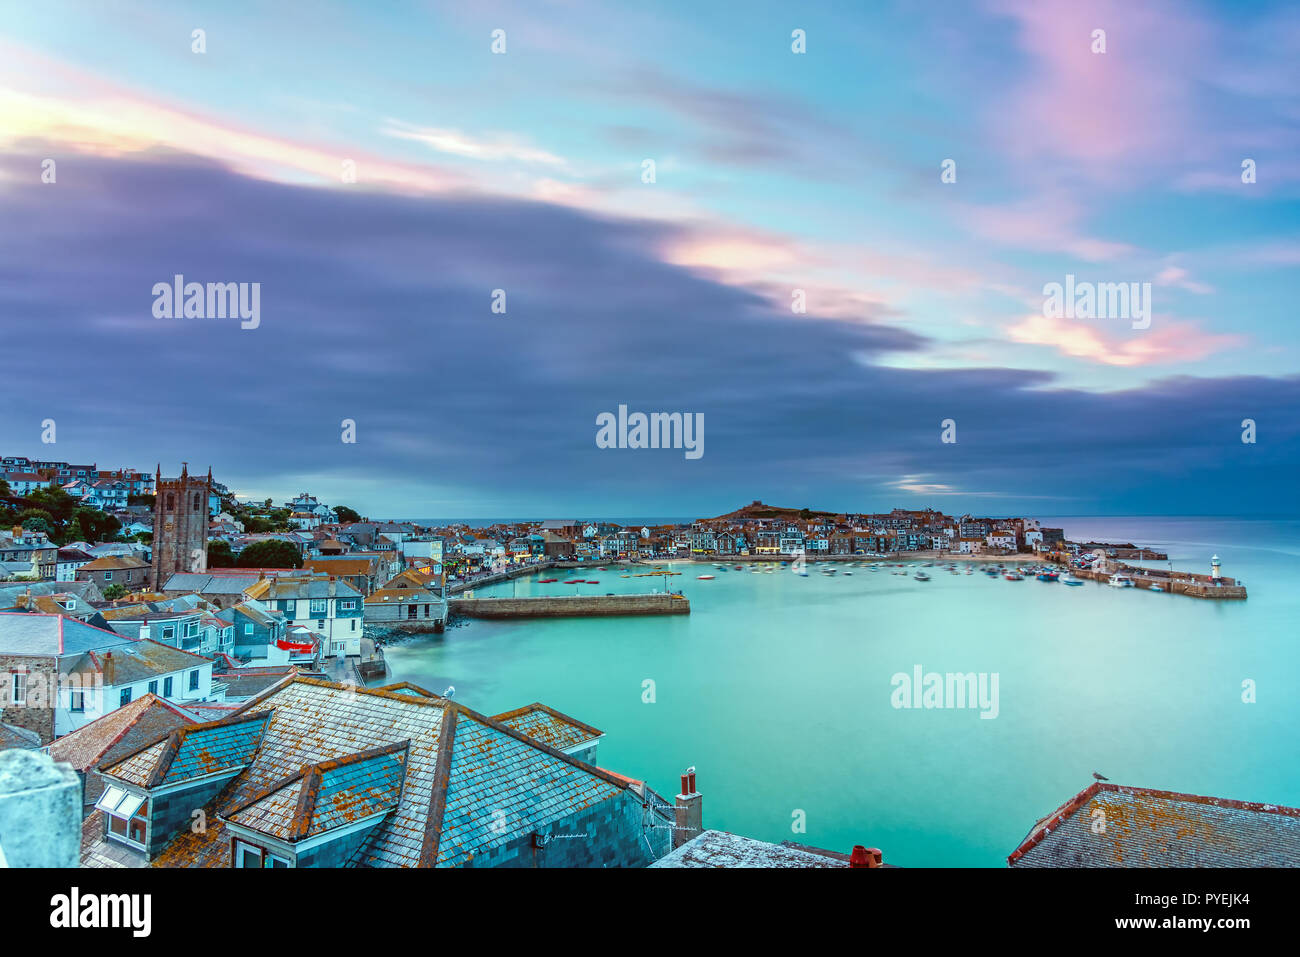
(1069, 578)
(705, 578)
(1046, 576)
(921, 577)
(1014, 577)
(1121, 581)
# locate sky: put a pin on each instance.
(799, 270)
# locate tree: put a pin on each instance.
(346, 514)
(220, 555)
(143, 499)
(805, 513)
(57, 502)
(114, 591)
(92, 525)
(271, 553)
(37, 520)
(4, 488)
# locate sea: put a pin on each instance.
(782, 691)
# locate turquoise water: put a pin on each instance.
(778, 689)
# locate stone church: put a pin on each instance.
(180, 525)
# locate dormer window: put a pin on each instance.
(126, 815)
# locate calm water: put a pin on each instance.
(777, 688)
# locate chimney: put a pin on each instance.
(689, 812)
(866, 857)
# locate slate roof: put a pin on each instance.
(119, 732)
(12, 736)
(269, 589)
(548, 726)
(468, 782)
(724, 849)
(327, 795)
(137, 659)
(1150, 828)
(193, 752)
(28, 633)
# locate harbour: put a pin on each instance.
(1090, 676)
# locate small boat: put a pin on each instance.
(705, 578)
(1121, 581)
(1157, 588)
(575, 581)
(1047, 576)
(1014, 577)
(548, 581)
(921, 577)
(593, 583)
(848, 573)
(1069, 578)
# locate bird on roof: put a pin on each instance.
(1100, 777)
(451, 690)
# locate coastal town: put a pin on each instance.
(167, 646)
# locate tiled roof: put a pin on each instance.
(327, 795)
(396, 596)
(194, 751)
(137, 659)
(723, 849)
(548, 726)
(468, 781)
(1149, 828)
(119, 732)
(26, 633)
(112, 563)
(12, 736)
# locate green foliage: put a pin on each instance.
(57, 502)
(144, 499)
(114, 591)
(220, 555)
(92, 525)
(346, 514)
(271, 553)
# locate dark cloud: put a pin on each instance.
(377, 308)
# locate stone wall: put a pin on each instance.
(571, 606)
(38, 714)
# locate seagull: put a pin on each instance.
(451, 690)
(1100, 777)
(691, 769)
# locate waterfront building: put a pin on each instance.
(327, 605)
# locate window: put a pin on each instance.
(347, 604)
(320, 624)
(248, 628)
(194, 680)
(167, 687)
(169, 631)
(108, 576)
(125, 698)
(125, 814)
(247, 855)
(18, 688)
(318, 607)
(153, 687)
(77, 700)
(171, 501)
(354, 624)
(197, 499)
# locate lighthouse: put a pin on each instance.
(1214, 567)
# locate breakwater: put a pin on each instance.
(571, 606)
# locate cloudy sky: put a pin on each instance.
(774, 171)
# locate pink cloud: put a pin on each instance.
(1097, 109)
(1166, 341)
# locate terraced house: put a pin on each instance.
(326, 605)
(315, 774)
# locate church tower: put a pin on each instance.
(180, 525)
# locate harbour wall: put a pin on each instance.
(571, 606)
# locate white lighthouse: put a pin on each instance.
(1214, 566)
